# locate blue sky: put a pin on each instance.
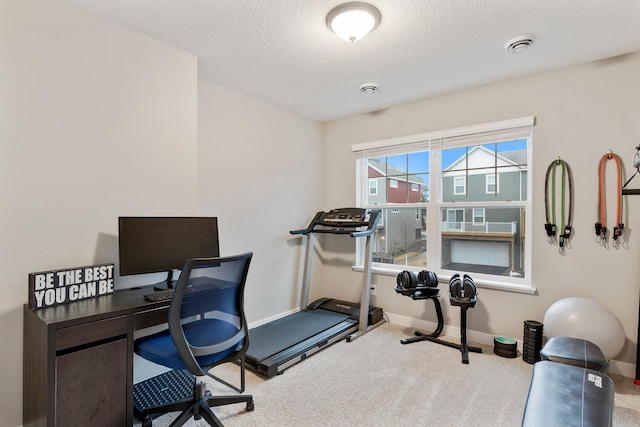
(419, 162)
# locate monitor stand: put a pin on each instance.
(169, 283)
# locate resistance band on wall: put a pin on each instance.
(601, 224)
(564, 232)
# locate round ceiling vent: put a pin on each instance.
(368, 88)
(519, 45)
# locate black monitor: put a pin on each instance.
(159, 244)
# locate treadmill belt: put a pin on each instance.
(273, 337)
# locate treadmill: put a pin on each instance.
(277, 345)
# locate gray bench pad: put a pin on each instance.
(575, 351)
(567, 395)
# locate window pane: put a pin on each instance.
(489, 172)
(401, 178)
(402, 237)
(512, 170)
(493, 245)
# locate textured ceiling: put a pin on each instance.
(282, 52)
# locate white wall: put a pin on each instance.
(260, 171)
(581, 112)
(95, 121)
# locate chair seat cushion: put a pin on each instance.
(159, 348)
(575, 351)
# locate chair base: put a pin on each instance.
(154, 397)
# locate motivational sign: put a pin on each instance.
(49, 288)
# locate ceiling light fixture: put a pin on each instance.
(519, 45)
(352, 21)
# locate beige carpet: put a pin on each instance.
(376, 381)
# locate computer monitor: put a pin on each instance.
(159, 244)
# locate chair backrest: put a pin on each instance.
(206, 316)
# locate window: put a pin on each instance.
(478, 215)
(454, 221)
(460, 202)
(491, 186)
(373, 187)
(459, 185)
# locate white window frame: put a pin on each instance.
(473, 215)
(495, 183)
(373, 185)
(393, 183)
(456, 185)
(435, 142)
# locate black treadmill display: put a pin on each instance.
(346, 217)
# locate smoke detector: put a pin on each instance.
(519, 45)
(368, 88)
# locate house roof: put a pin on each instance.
(481, 157)
(394, 172)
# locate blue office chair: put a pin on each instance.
(207, 327)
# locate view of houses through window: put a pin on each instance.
(472, 200)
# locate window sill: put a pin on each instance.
(480, 283)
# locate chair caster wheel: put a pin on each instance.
(250, 406)
(147, 422)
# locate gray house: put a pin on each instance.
(484, 238)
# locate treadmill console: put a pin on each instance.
(355, 221)
(344, 217)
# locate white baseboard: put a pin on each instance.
(272, 318)
(615, 367)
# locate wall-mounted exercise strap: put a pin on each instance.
(601, 224)
(550, 202)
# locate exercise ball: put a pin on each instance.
(586, 319)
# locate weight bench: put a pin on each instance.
(569, 386)
(567, 395)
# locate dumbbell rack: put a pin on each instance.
(420, 294)
(433, 336)
(464, 305)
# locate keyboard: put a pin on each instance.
(163, 295)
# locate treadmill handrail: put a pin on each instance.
(341, 228)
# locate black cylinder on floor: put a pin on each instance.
(532, 341)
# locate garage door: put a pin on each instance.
(480, 252)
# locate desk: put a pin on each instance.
(78, 359)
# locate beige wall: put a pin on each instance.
(582, 112)
(260, 171)
(95, 121)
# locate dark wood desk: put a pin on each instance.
(78, 359)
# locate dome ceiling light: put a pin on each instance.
(352, 21)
